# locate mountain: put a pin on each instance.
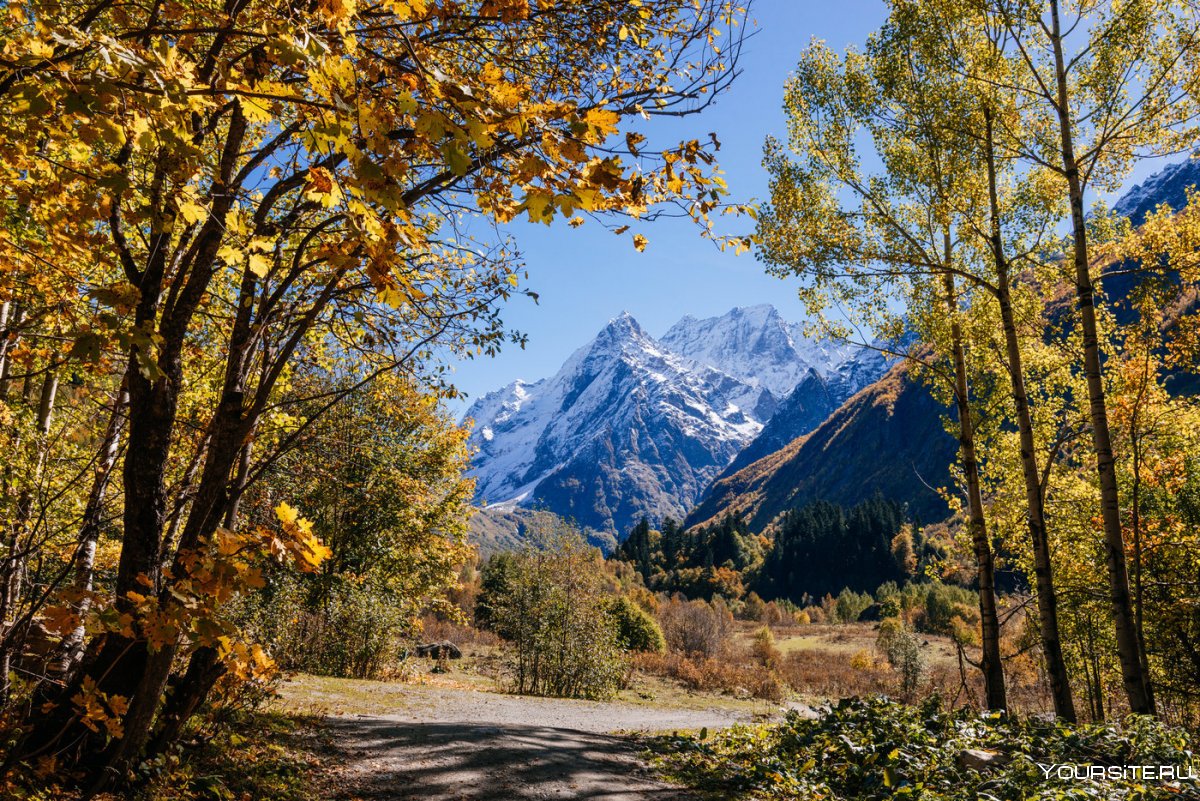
(1169, 185)
(888, 440)
(755, 345)
(631, 426)
(816, 396)
(624, 429)
(496, 529)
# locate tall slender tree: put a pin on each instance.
(897, 243)
(1110, 80)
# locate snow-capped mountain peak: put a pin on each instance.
(632, 425)
(1168, 185)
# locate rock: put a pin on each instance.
(439, 650)
(980, 761)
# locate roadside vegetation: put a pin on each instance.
(875, 749)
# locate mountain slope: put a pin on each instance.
(1169, 185)
(816, 396)
(624, 429)
(888, 439)
(632, 426)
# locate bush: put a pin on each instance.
(902, 650)
(849, 605)
(495, 582)
(552, 606)
(943, 603)
(696, 628)
(764, 649)
(356, 628)
(636, 630)
(716, 675)
(754, 608)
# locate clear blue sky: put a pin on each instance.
(587, 276)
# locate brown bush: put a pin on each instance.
(765, 652)
(834, 674)
(715, 675)
(438, 629)
(696, 628)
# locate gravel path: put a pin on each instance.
(461, 745)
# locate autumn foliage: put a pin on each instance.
(221, 220)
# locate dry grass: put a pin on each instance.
(741, 678)
(814, 664)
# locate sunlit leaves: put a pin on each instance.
(231, 201)
(299, 541)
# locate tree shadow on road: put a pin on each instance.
(387, 760)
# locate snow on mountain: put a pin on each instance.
(634, 426)
(1168, 185)
(757, 346)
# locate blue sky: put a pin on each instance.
(587, 276)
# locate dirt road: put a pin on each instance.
(464, 745)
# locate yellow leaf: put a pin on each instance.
(192, 212)
(231, 255)
(640, 242)
(602, 121)
(259, 264)
(286, 513)
(540, 207)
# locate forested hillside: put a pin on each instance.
(887, 440)
(815, 550)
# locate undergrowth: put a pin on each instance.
(258, 757)
(870, 750)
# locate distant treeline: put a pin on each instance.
(812, 551)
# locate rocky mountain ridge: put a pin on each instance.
(632, 425)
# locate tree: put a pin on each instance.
(636, 629)
(389, 495)
(894, 240)
(636, 548)
(565, 636)
(1121, 90)
(1154, 420)
(1004, 218)
(241, 188)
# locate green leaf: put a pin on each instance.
(456, 159)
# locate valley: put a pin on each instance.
(334, 471)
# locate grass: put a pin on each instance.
(844, 640)
(318, 696)
(817, 662)
(664, 693)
